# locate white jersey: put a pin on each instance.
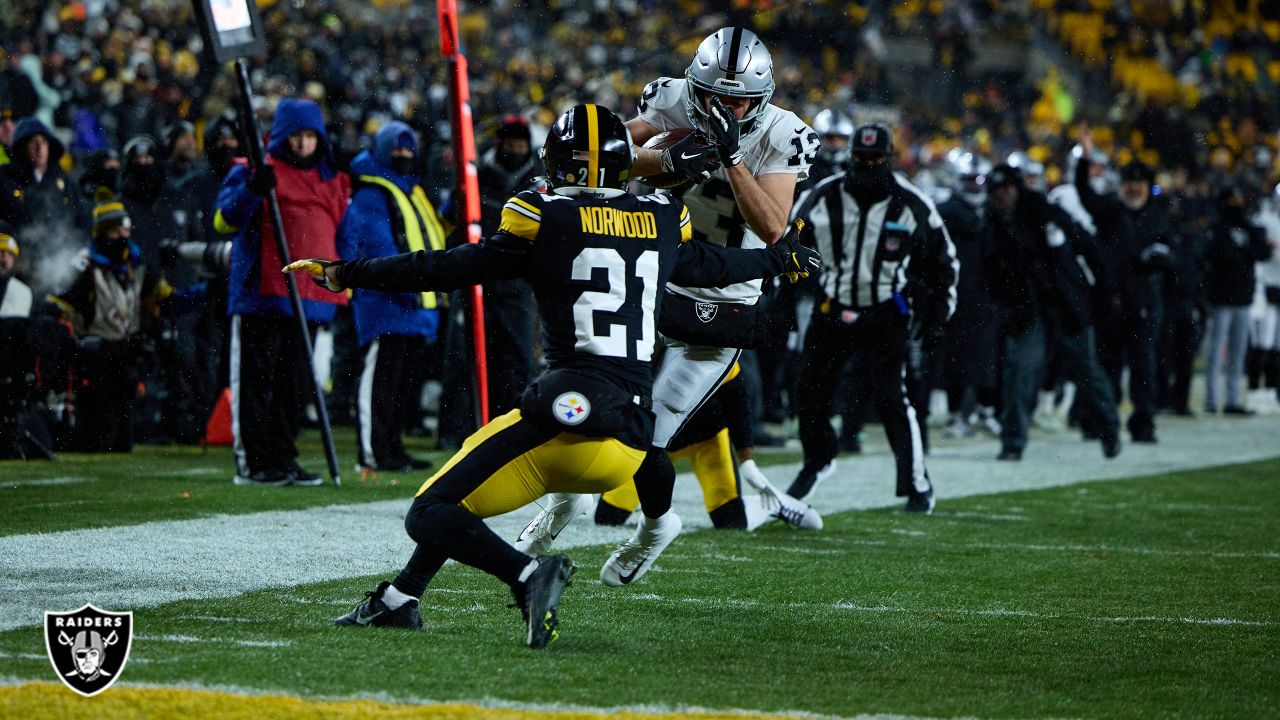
(779, 142)
(1268, 218)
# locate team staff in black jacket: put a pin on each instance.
(1233, 249)
(1039, 287)
(1134, 231)
(890, 267)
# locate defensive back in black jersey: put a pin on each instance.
(597, 266)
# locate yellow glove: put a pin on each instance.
(315, 267)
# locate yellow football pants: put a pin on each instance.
(567, 463)
(713, 465)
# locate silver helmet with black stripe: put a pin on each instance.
(734, 63)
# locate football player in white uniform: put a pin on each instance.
(743, 191)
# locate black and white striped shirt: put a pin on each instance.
(898, 245)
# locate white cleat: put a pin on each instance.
(561, 509)
(631, 561)
(797, 514)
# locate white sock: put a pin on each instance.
(393, 598)
(528, 570)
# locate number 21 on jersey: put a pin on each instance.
(619, 341)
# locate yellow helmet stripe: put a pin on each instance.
(593, 144)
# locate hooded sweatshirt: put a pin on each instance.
(312, 202)
(24, 199)
(371, 229)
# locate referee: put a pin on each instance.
(891, 270)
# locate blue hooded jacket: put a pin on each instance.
(28, 128)
(239, 211)
(367, 232)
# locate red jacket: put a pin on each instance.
(311, 209)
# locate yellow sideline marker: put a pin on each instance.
(36, 701)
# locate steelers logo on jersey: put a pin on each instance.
(571, 408)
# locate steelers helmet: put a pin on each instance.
(588, 147)
(731, 62)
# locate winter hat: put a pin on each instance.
(8, 243)
(515, 127)
(1137, 171)
(107, 215)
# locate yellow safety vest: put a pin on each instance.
(416, 214)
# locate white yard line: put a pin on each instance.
(194, 639)
(139, 566)
(12, 483)
(724, 602)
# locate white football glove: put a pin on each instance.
(752, 475)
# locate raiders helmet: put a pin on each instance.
(588, 147)
(969, 171)
(833, 123)
(833, 126)
(732, 62)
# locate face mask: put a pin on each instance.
(221, 159)
(107, 177)
(112, 249)
(403, 165)
(144, 182)
(870, 184)
(511, 161)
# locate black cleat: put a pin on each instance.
(375, 613)
(405, 463)
(809, 477)
(541, 597)
(1010, 455)
(1110, 446)
(920, 503)
(263, 478)
(299, 475)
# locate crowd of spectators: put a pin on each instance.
(114, 88)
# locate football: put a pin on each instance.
(662, 141)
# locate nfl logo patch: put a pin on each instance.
(869, 137)
(571, 408)
(891, 244)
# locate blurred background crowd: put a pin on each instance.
(129, 112)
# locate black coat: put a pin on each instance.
(1131, 242)
(1229, 263)
(967, 230)
(1031, 265)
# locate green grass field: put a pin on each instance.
(1150, 597)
